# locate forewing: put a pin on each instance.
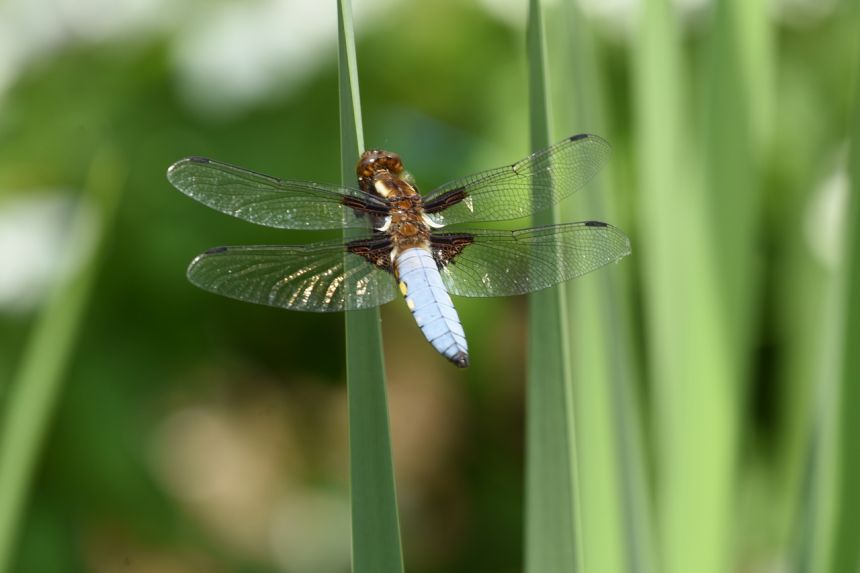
(271, 201)
(528, 186)
(307, 277)
(502, 263)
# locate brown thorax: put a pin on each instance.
(381, 173)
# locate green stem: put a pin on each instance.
(375, 526)
(845, 553)
(553, 540)
(692, 365)
(616, 509)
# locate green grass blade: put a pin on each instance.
(814, 527)
(735, 123)
(845, 554)
(694, 390)
(37, 385)
(730, 130)
(616, 509)
(552, 525)
(375, 526)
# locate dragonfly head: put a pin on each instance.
(374, 161)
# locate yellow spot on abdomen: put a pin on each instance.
(403, 288)
(410, 303)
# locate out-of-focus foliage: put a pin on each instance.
(199, 434)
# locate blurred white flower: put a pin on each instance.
(825, 219)
(229, 56)
(34, 247)
(31, 30)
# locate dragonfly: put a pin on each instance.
(400, 239)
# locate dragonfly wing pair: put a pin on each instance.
(490, 263)
(336, 276)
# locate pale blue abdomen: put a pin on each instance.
(421, 285)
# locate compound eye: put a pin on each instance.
(396, 164)
(375, 160)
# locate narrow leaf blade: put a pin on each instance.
(375, 527)
(552, 540)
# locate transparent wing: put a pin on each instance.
(509, 192)
(314, 278)
(503, 263)
(271, 201)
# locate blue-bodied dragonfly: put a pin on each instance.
(403, 245)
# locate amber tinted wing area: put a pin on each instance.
(271, 201)
(501, 263)
(316, 278)
(509, 192)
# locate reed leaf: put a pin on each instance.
(845, 557)
(616, 509)
(690, 360)
(553, 537)
(375, 527)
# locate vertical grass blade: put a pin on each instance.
(691, 365)
(826, 527)
(735, 123)
(756, 50)
(552, 530)
(731, 129)
(616, 509)
(375, 526)
(37, 385)
(813, 530)
(846, 551)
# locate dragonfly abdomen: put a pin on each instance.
(421, 285)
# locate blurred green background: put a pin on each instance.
(198, 434)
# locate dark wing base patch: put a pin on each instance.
(446, 246)
(361, 205)
(445, 200)
(376, 250)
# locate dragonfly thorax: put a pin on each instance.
(406, 223)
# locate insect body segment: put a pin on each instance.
(381, 172)
(414, 265)
(431, 304)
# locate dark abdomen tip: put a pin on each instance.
(460, 360)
